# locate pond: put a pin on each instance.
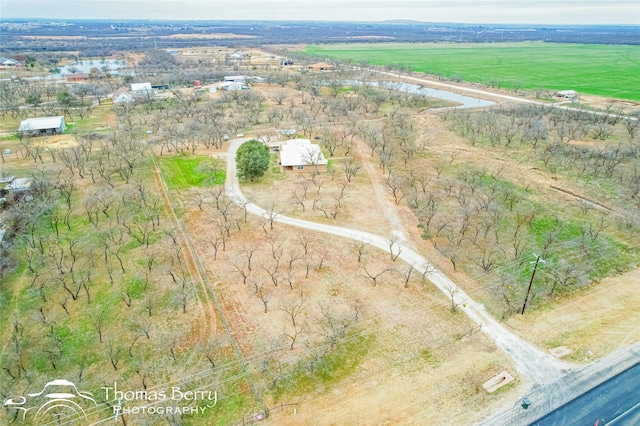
(465, 101)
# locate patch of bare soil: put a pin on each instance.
(604, 103)
(410, 393)
(59, 141)
(592, 322)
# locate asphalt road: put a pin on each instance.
(616, 401)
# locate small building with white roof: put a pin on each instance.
(42, 126)
(300, 155)
(142, 89)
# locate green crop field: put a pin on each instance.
(604, 70)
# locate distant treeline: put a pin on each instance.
(101, 38)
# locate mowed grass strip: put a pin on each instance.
(604, 70)
(183, 173)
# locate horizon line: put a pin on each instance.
(387, 21)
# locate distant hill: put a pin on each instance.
(401, 21)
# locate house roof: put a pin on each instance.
(297, 152)
(76, 76)
(41, 123)
(21, 184)
(121, 95)
(140, 87)
(239, 78)
(230, 85)
(8, 61)
(124, 97)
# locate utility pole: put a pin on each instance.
(118, 415)
(538, 259)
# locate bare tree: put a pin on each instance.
(452, 290)
(293, 309)
(271, 213)
(373, 275)
(359, 247)
(395, 184)
(393, 242)
(263, 294)
(97, 317)
(350, 168)
(304, 240)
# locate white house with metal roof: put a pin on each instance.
(42, 126)
(300, 155)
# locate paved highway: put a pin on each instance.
(616, 401)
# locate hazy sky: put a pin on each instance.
(466, 11)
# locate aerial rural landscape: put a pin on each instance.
(228, 222)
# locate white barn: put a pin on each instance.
(42, 126)
(142, 89)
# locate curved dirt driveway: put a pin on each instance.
(539, 367)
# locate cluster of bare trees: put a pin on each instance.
(103, 270)
(534, 125)
(613, 156)
(308, 190)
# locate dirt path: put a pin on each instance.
(189, 256)
(398, 228)
(539, 367)
(194, 262)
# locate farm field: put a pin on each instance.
(603, 70)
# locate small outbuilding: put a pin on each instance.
(42, 126)
(19, 185)
(229, 86)
(76, 77)
(236, 78)
(286, 134)
(237, 56)
(300, 155)
(567, 94)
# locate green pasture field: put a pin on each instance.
(182, 172)
(604, 70)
